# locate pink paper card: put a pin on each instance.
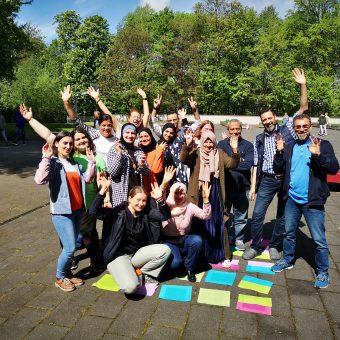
(258, 309)
(260, 264)
(147, 290)
(234, 265)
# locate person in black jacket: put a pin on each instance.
(131, 235)
(305, 164)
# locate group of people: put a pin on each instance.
(166, 204)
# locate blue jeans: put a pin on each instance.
(267, 190)
(240, 203)
(315, 218)
(187, 251)
(67, 227)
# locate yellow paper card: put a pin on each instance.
(214, 297)
(253, 286)
(199, 277)
(107, 282)
(255, 300)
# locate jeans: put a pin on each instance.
(240, 203)
(315, 218)
(268, 188)
(187, 251)
(67, 227)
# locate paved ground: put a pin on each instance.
(32, 308)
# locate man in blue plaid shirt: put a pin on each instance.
(265, 183)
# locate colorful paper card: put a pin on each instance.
(221, 278)
(253, 279)
(255, 300)
(264, 255)
(107, 282)
(247, 307)
(253, 286)
(199, 277)
(147, 290)
(176, 293)
(214, 297)
(237, 252)
(260, 264)
(262, 270)
(234, 265)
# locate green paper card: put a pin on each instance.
(214, 297)
(253, 286)
(107, 282)
(255, 300)
(199, 277)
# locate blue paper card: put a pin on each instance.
(257, 281)
(220, 278)
(176, 293)
(262, 270)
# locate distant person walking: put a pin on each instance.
(20, 123)
(3, 128)
(322, 124)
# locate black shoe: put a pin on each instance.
(191, 276)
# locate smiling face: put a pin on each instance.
(64, 147)
(81, 142)
(135, 118)
(105, 128)
(173, 119)
(144, 138)
(129, 136)
(268, 120)
(234, 129)
(302, 128)
(137, 203)
(168, 134)
(208, 146)
(179, 196)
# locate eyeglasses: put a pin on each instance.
(298, 127)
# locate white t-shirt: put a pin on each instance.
(103, 146)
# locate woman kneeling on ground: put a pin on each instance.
(67, 193)
(185, 247)
(131, 236)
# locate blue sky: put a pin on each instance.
(41, 12)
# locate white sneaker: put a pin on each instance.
(240, 245)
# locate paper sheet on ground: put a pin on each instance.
(247, 307)
(214, 297)
(262, 270)
(234, 265)
(176, 293)
(219, 277)
(253, 279)
(263, 256)
(107, 282)
(256, 300)
(255, 287)
(260, 264)
(199, 277)
(148, 290)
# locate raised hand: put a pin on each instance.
(280, 142)
(299, 76)
(188, 137)
(47, 151)
(142, 160)
(163, 145)
(25, 112)
(141, 93)
(103, 182)
(169, 173)
(157, 102)
(314, 146)
(94, 93)
(206, 192)
(156, 192)
(182, 112)
(234, 143)
(66, 94)
(193, 103)
(89, 154)
(118, 146)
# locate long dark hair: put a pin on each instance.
(168, 126)
(58, 138)
(87, 135)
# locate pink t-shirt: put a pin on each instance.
(180, 225)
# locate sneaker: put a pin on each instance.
(274, 254)
(74, 264)
(226, 264)
(151, 280)
(76, 281)
(322, 281)
(280, 266)
(240, 245)
(191, 276)
(15, 144)
(64, 284)
(250, 254)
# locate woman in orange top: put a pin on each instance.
(154, 156)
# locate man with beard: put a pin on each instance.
(305, 194)
(264, 181)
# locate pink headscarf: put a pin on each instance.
(209, 161)
(176, 209)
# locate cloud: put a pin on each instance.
(157, 5)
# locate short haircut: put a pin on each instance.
(134, 110)
(104, 117)
(302, 116)
(172, 113)
(265, 109)
(234, 120)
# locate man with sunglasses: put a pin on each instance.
(305, 195)
(264, 182)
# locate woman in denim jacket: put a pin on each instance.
(67, 191)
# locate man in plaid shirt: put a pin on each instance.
(265, 183)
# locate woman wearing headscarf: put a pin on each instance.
(185, 247)
(207, 164)
(154, 156)
(125, 164)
